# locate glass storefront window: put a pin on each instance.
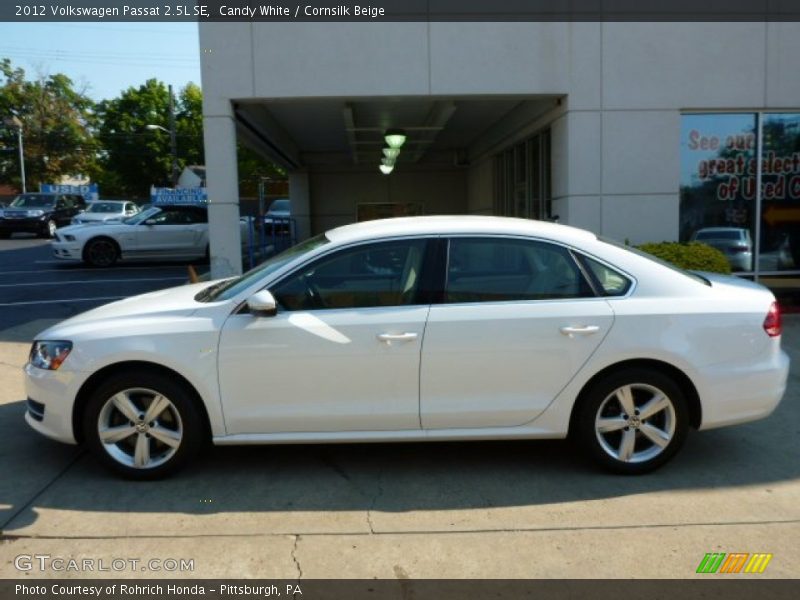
(522, 179)
(718, 175)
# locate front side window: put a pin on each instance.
(380, 274)
(499, 270)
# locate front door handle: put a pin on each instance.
(573, 331)
(396, 337)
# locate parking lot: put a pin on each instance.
(488, 510)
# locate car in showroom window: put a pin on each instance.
(423, 328)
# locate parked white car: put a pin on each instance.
(426, 328)
(170, 232)
(104, 211)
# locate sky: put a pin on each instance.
(103, 59)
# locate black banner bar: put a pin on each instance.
(399, 10)
(740, 587)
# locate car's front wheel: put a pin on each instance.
(632, 421)
(49, 229)
(142, 425)
(101, 252)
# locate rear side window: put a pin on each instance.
(611, 282)
(500, 269)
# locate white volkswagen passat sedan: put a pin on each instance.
(428, 328)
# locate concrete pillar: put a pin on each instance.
(219, 132)
(300, 195)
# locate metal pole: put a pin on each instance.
(758, 199)
(21, 159)
(173, 138)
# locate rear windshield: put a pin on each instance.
(727, 234)
(689, 274)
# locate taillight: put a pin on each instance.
(772, 323)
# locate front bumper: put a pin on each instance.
(67, 250)
(53, 395)
(33, 225)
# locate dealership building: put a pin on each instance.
(636, 131)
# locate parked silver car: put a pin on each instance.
(734, 242)
(105, 211)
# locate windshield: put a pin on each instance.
(282, 205)
(33, 201)
(142, 216)
(655, 259)
(228, 288)
(105, 207)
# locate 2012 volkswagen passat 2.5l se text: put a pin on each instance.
(426, 328)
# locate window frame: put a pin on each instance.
(428, 292)
(571, 250)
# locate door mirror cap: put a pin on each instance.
(262, 304)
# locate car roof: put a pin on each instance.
(456, 224)
(712, 229)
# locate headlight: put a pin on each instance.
(49, 354)
(35, 213)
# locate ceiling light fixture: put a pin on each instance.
(392, 153)
(395, 138)
(386, 169)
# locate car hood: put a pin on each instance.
(98, 217)
(153, 306)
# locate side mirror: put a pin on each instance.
(150, 222)
(262, 304)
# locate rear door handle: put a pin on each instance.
(396, 337)
(586, 330)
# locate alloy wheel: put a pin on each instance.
(102, 253)
(51, 228)
(635, 423)
(140, 428)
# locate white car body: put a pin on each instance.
(474, 370)
(136, 239)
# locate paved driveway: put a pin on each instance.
(494, 510)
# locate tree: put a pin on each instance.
(57, 122)
(136, 157)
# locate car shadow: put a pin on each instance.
(392, 478)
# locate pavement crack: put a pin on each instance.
(295, 559)
(374, 502)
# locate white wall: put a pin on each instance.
(616, 145)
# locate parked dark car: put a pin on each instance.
(41, 214)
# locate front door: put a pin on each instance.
(343, 352)
(174, 231)
(518, 321)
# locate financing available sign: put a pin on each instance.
(179, 195)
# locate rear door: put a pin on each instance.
(518, 321)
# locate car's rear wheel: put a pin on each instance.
(143, 425)
(101, 252)
(632, 421)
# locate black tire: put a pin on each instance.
(609, 448)
(186, 430)
(101, 252)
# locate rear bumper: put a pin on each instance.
(740, 393)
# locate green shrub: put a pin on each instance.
(693, 256)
